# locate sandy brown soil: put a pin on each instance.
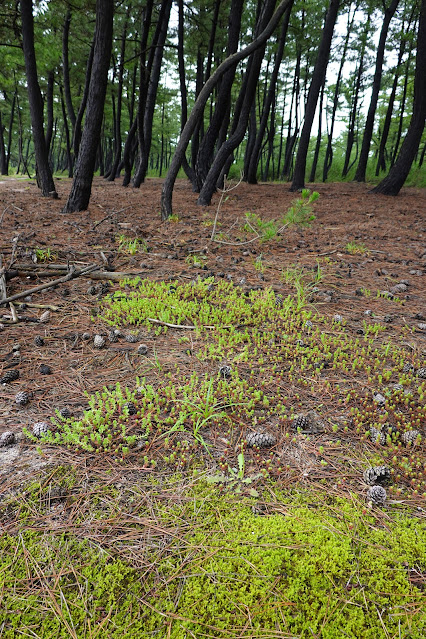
(392, 229)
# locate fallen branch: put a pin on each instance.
(73, 273)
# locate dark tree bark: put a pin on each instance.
(44, 174)
(151, 93)
(117, 122)
(369, 124)
(83, 103)
(329, 149)
(190, 173)
(294, 106)
(67, 135)
(314, 89)
(255, 153)
(319, 136)
(49, 106)
(66, 68)
(3, 163)
(10, 133)
(393, 183)
(401, 112)
(198, 109)
(220, 116)
(247, 95)
(82, 184)
(354, 107)
(381, 160)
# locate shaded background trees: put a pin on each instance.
(278, 114)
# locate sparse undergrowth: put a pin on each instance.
(295, 565)
(268, 359)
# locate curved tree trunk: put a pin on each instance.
(44, 174)
(393, 183)
(198, 108)
(314, 89)
(82, 185)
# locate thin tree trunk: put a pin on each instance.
(393, 183)
(248, 93)
(319, 136)
(3, 163)
(369, 125)
(82, 184)
(82, 108)
(314, 89)
(44, 174)
(10, 132)
(254, 157)
(198, 109)
(49, 105)
(67, 135)
(151, 94)
(216, 131)
(66, 69)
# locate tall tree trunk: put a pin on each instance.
(82, 184)
(67, 135)
(221, 113)
(248, 92)
(44, 174)
(329, 149)
(183, 91)
(10, 133)
(319, 136)
(393, 183)
(255, 154)
(3, 163)
(117, 123)
(66, 68)
(198, 108)
(369, 124)
(83, 103)
(49, 106)
(146, 117)
(314, 89)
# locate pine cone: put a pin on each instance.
(399, 288)
(142, 349)
(99, 341)
(40, 428)
(308, 324)
(407, 368)
(7, 438)
(398, 387)
(377, 495)
(131, 408)
(379, 399)
(278, 301)
(410, 437)
(9, 376)
(300, 422)
(377, 476)
(65, 412)
(337, 318)
(44, 317)
(260, 439)
(376, 436)
(38, 340)
(45, 369)
(421, 372)
(112, 336)
(22, 398)
(132, 339)
(225, 372)
(91, 290)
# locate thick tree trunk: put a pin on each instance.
(44, 174)
(319, 137)
(314, 89)
(369, 124)
(82, 185)
(83, 103)
(190, 173)
(393, 183)
(255, 154)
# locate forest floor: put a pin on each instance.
(320, 336)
